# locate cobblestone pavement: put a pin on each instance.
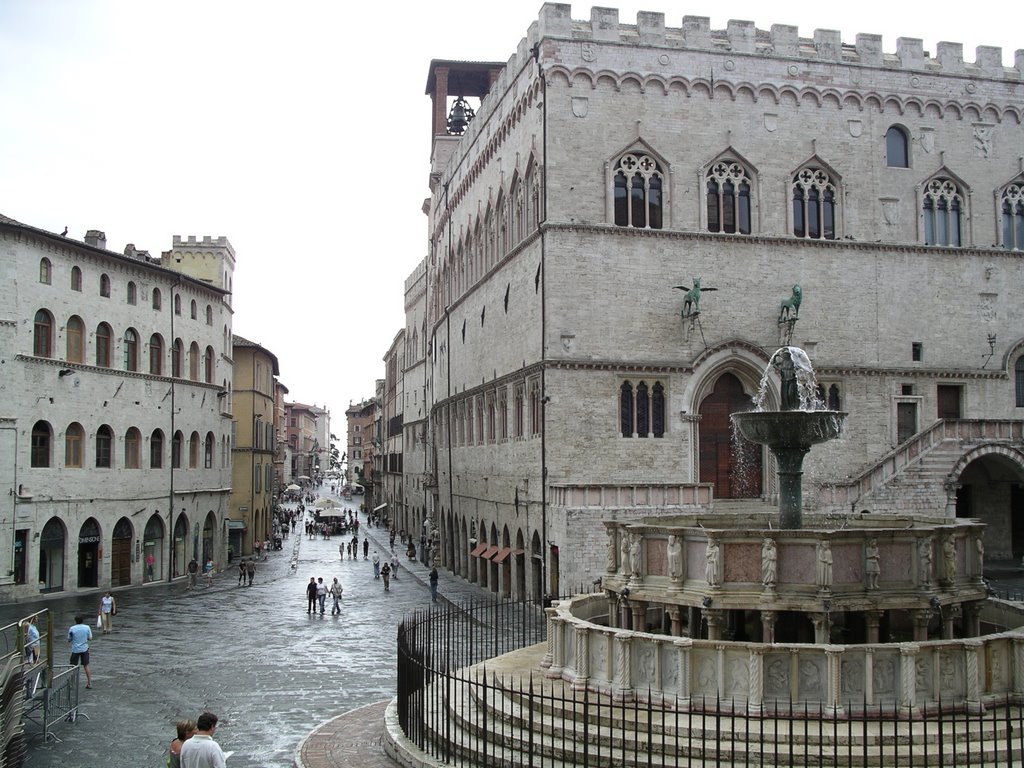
(272, 673)
(252, 655)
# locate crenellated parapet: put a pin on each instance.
(780, 41)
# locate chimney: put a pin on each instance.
(129, 250)
(96, 238)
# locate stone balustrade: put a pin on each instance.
(757, 677)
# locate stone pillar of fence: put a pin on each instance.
(755, 690)
(623, 666)
(556, 647)
(1017, 661)
(550, 617)
(684, 647)
(582, 659)
(908, 678)
(833, 667)
(973, 684)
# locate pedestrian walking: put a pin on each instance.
(31, 641)
(335, 591)
(376, 564)
(108, 608)
(341, 551)
(208, 571)
(192, 570)
(250, 571)
(79, 636)
(201, 751)
(241, 572)
(321, 594)
(394, 565)
(185, 730)
(433, 584)
(311, 595)
(385, 573)
(366, 546)
(266, 548)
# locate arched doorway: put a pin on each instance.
(121, 554)
(991, 488)
(178, 556)
(51, 556)
(153, 549)
(209, 529)
(89, 554)
(730, 462)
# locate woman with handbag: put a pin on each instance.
(108, 608)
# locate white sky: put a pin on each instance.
(300, 130)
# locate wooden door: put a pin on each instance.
(121, 562)
(949, 401)
(732, 464)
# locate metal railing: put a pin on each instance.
(454, 706)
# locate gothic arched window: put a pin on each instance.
(728, 198)
(638, 192)
(1012, 211)
(942, 210)
(814, 204)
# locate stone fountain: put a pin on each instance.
(790, 432)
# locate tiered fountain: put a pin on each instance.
(844, 613)
(790, 432)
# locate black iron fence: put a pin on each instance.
(461, 705)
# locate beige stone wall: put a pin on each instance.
(606, 309)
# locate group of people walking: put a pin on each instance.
(317, 592)
(194, 747)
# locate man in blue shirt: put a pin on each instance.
(79, 636)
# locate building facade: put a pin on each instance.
(392, 432)
(254, 445)
(301, 435)
(115, 422)
(864, 205)
(359, 424)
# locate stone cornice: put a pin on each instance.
(755, 240)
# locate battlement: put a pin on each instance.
(207, 240)
(782, 40)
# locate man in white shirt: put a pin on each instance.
(201, 751)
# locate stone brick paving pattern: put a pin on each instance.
(286, 685)
(252, 655)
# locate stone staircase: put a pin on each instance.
(912, 477)
(505, 713)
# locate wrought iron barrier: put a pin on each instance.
(457, 709)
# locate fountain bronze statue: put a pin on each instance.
(790, 432)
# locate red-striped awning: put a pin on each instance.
(502, 554)
(490, 552)
(478, 549)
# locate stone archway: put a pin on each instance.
(728, 461)
(121, 553)
(989, 486)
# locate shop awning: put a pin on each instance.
(502, 554)
(378, 509)
(478, 549)
(490, 552)
(236, 525)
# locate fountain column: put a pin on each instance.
(790, 461)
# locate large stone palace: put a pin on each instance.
(627, 219)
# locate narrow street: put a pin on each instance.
(252, 655)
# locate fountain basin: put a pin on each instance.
(789, 429)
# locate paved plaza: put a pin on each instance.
(284, 683)
(252, 655)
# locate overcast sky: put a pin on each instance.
(300, 130)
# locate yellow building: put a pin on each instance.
(253, 442)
